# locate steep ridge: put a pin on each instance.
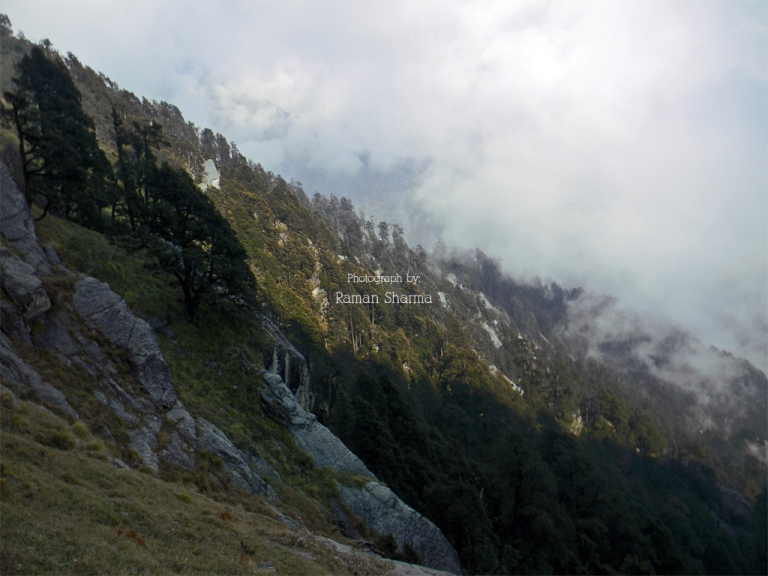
(70, 332)
(477, 408)
(376, 505)
(84, 334)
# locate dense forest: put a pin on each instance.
(480, 410)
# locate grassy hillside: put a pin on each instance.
(527, 458)
(65, 506)
(66, 509)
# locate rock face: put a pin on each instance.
(105, 310)
(211, 175)
(20, 376)
(131, 347)
(13, 323)
(311, 436)
(25, 289)
(17, 224)
(383, 511)
(289, 364)
(234, 461)
(20, 279)
(376, 505)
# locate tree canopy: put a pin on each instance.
(162, 209)
(144, 205)
(193, 241)
(61, 159)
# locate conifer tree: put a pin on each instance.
(196, 243)
(161, 209)
(136, 162)
(60, 156)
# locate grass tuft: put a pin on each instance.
(184, 497)
(79, 429)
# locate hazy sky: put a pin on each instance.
(622, 146)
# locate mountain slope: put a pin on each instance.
(86, 386)
(483, 409)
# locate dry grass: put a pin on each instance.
(65, 509)
(147, 292)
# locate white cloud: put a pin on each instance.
(621, 145)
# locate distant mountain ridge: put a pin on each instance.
(384, 194)
(520, 419)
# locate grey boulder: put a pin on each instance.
(23, 286)
(105, 310)
(234, 461)
(17, 224)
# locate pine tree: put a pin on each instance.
(161, 209)
(61, 158)
(136, 162)
(193, 241)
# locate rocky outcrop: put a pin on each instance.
(234, 461)
(13, 323)
(105, 310)
(21, 377)
(288, 363)
(211, 176)
(20, 273)
(67, 332)
(263, 467)
(182, 421)
(144, 441)
(311, 436)
(382, 510)
(23, 286)
(17, 224)
(376, 505)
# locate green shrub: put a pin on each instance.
(61, 440)
(80, 429)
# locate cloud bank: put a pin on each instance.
(616, 145)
